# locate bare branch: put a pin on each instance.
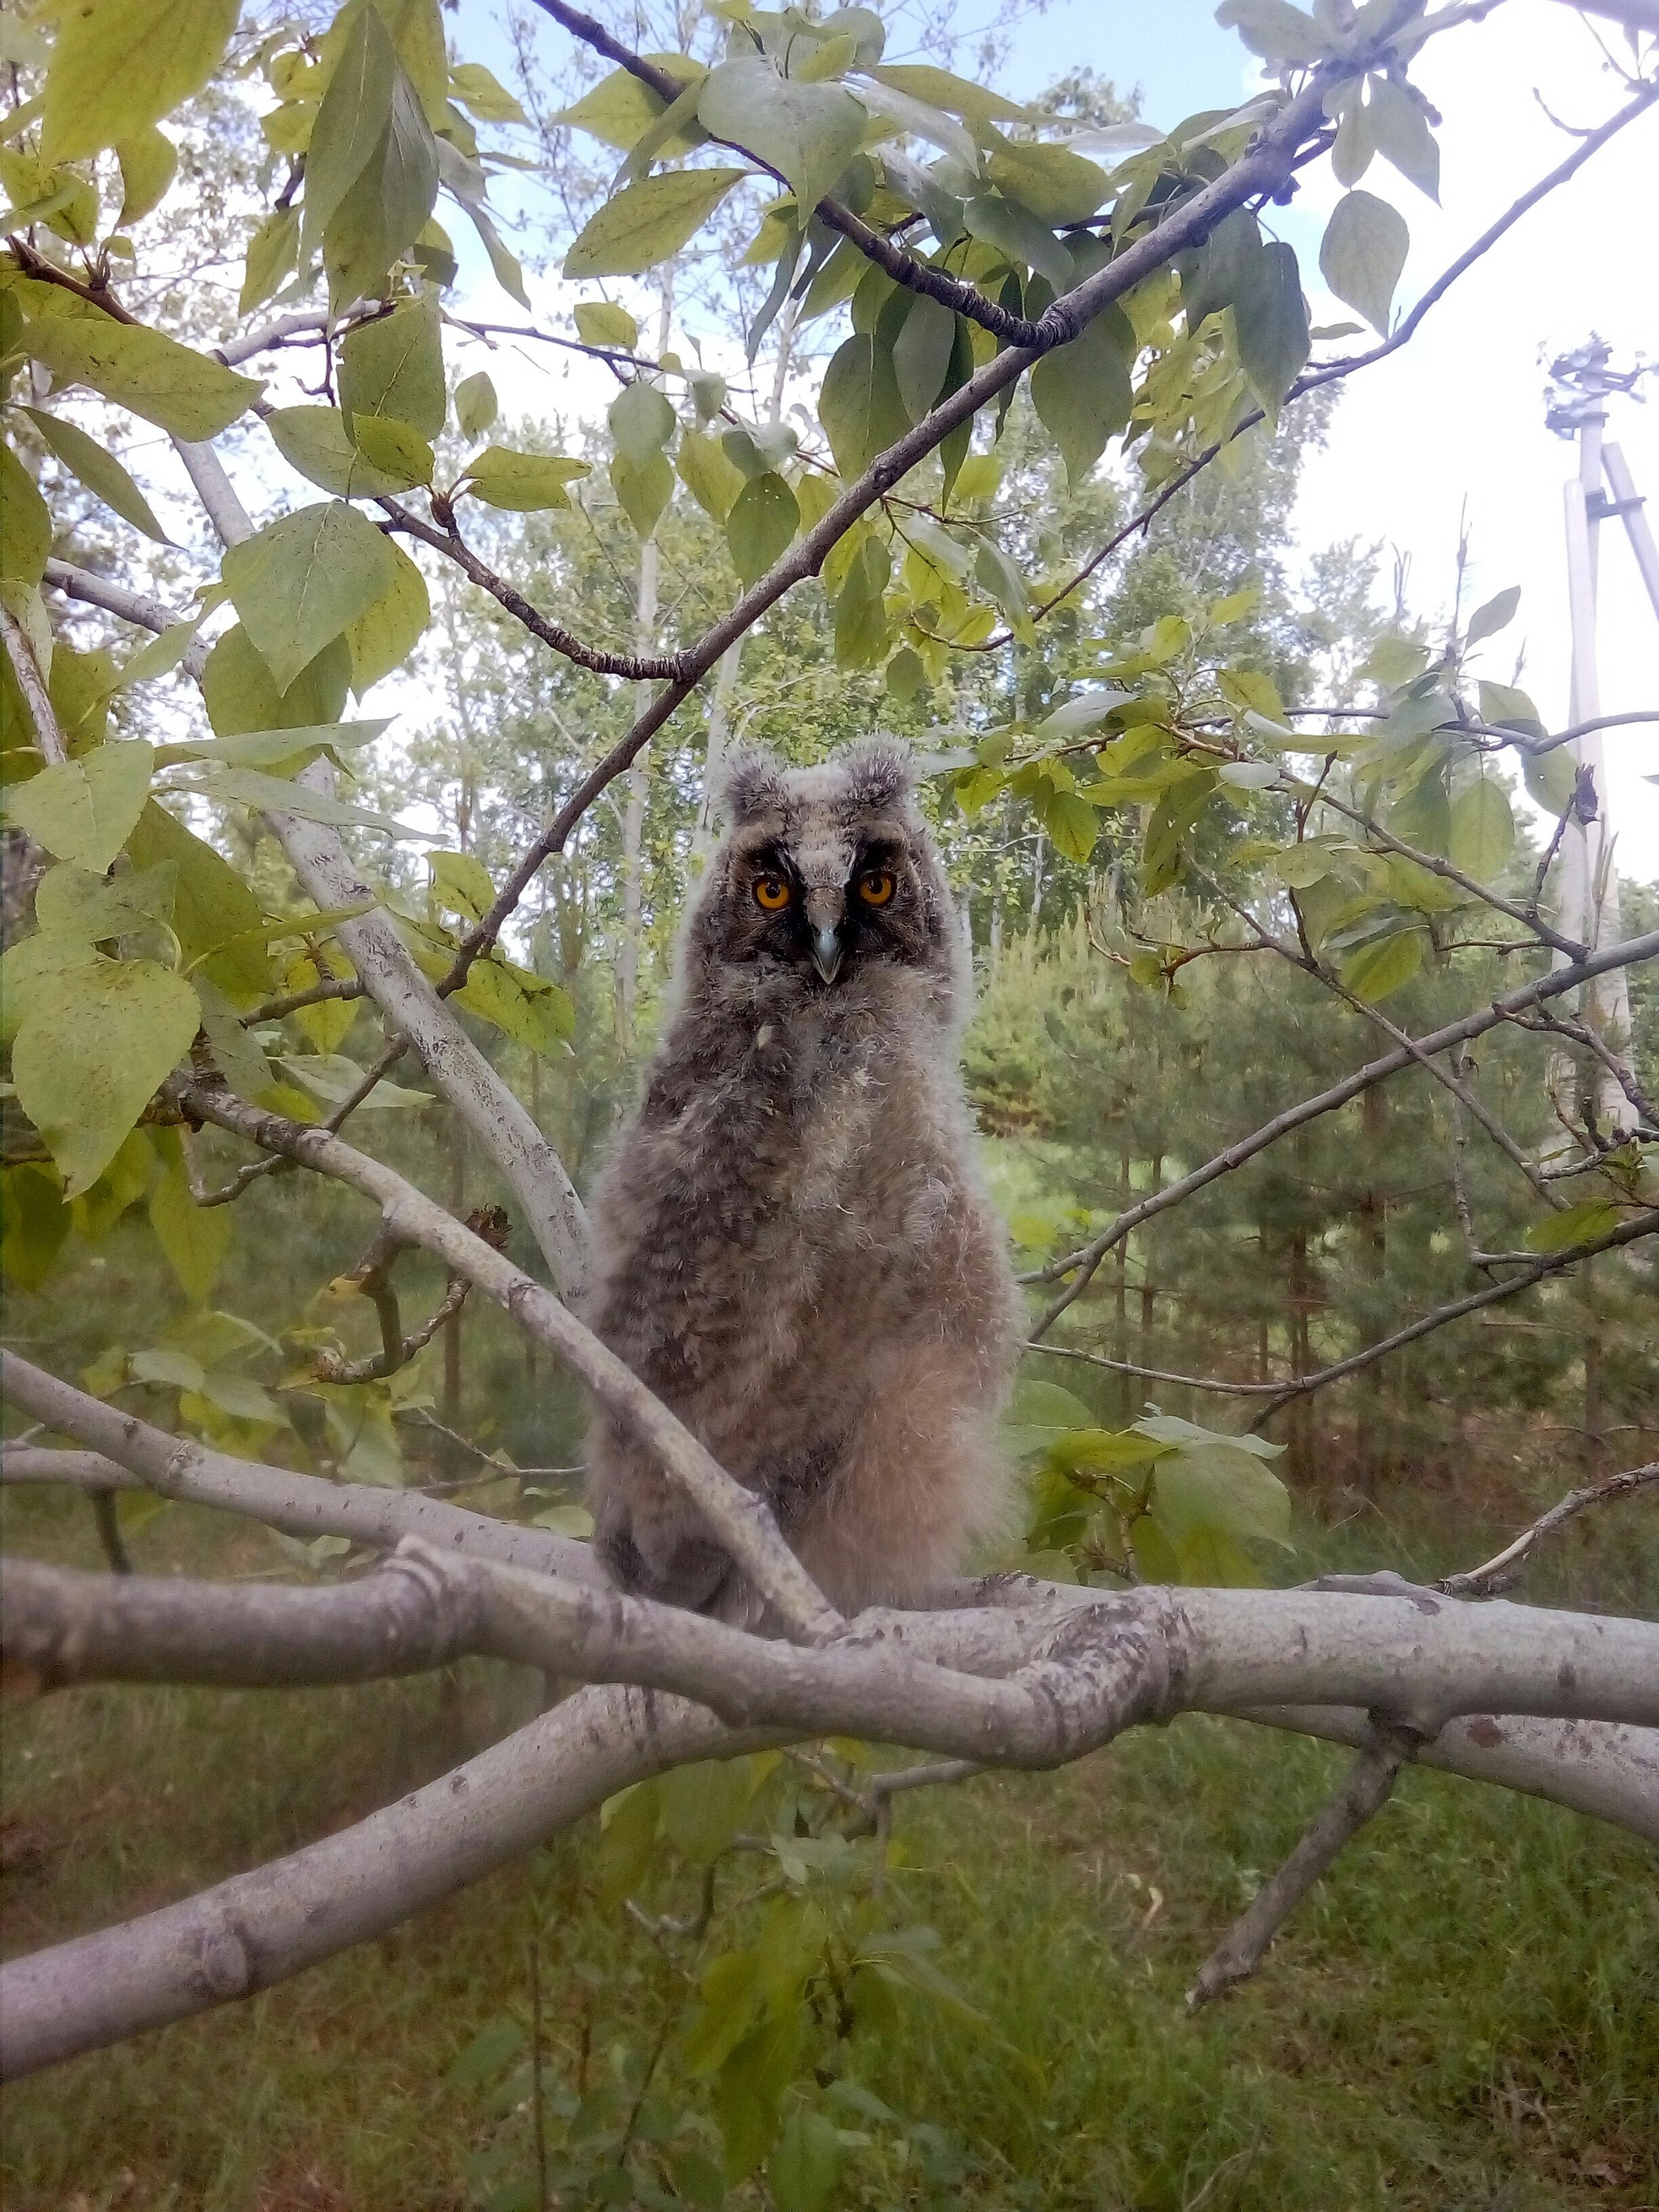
(1155, 1374)
(741, 1520)
(1503, 1573)
(1368, 1785)
(125, 1453)
(30, 683)
(1081, 1264)
(1581, 1033)
(1086, 1667)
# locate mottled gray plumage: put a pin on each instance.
(792, 1244)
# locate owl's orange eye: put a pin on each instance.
(772, 893)
(876, 887)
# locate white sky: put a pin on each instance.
(1454, 423)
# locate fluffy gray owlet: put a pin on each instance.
(792, 1247)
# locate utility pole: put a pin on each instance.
(1581, 384)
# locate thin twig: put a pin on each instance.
(1505, 1569)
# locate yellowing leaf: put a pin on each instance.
(83, 810)
(180, 391)
(216, 917)
(1574, 1225)
(707, 474)
(522, 483)
(86, 1072)
(25, 524)
(394, 366)
(600, 323)
(193, 1238)
(394, 448)
(314, 442)
(1384, 966)
(299, 583)
(484, 95)
(120, 65)
(648, 222)
(149, 160)
(383, 637)
(476, 403)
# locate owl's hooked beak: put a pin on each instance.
(826, 912)
(827, 950)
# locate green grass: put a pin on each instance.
(1466, 2013)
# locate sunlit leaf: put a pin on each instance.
(648, 222)
(118, 66)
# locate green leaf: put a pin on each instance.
(300, 582)
(703, 1806)
(417, 28)
(804, 2171)
(937, 87)
(120, 65)
(332, 1078)
(1271, 319)
(193, 1238)
(1057, 186)
(99, 470)
(1275, 30)
(1384, 966)
(382, 638)
(314, 441)
(642, 420)
(1361, 254)
(241, 693)
(1551, 779)
(149, 160)
(922, 354)
(476, 404)
(861, 632)
(350, 126)
(600, 323)
(83, 810)
(707, 474)
(235, 1054)
(1482, 830)
(182, 391)
(265, 748)
(85, 1074)
(216, 917)
(1073, 826)
(1401, 132)
(648, 222)
(522, 482)
(74, 903)
(1082, 392)
(36, 1222)
(750, 2088)
(1003, 222)
(25, 525)
(484, 95)
(388, 206)
(808, 133)
(1497, 613)
(1574, 1225)
(394, 366)
(762, 522)
(859, 406)
(274, 794)
(392, 447)
(644, 490)
(1394, 661)
(508, 274)
(272, 254)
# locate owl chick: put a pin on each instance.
(792, 1247)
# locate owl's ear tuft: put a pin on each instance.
(881, 774)
(752, 783)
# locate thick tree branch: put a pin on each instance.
(1081, 1264)
(1092, 1666)
(741, 1520)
